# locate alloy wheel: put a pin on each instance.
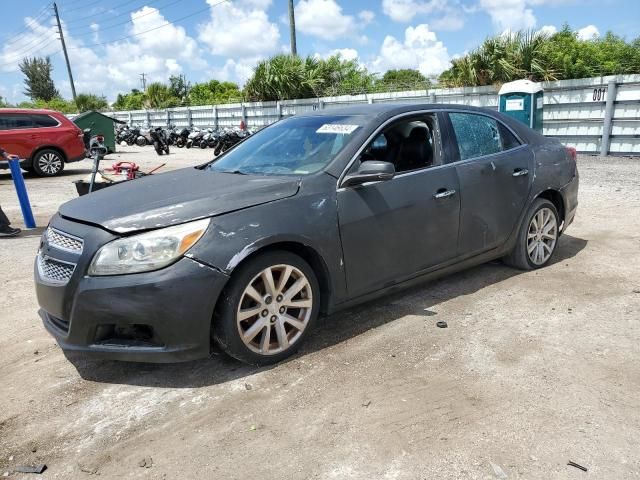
(50, 163)
(274, 309)
(542, 236)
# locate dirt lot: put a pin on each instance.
(535, 369)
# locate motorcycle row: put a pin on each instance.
(163, 137)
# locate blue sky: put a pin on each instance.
(112, 41)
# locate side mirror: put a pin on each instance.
(370, 171)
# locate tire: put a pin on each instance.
(166, 149)
(541, 241)
(189, 144)
(218, 149)
(226, 328)
(48, 163)
(157, 148)
(141, 141)
(203, 144)
(180, 143)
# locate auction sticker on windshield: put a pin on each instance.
(337, 128)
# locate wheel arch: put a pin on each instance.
(307, 253)
(555, 197)
(49, 147)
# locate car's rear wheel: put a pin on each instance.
(48, 163)
(537, 237)
(268, 308)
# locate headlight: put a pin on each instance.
(147, 251)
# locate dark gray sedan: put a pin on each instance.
(310, 215)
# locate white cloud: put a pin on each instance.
(420, 50)
(345, 54)
(323, 19)
(366, 16)
(548, 30)
(509, 14)
(240, 30)
(33, 38)
(449, 22)
(405, 10)
(589, 32)
(235, 70)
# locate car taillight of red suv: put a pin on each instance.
(44, 140)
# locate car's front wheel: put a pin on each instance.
(267, 309)
(537, 237)
(48, 163)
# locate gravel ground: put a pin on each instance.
(535, 369)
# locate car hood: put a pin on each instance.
(176, 197)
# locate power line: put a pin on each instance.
(93, 16)
(34, 49)
(83, 6)
(198, 12)
(126, 21)
(15, 37)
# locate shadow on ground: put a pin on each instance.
(329, 331)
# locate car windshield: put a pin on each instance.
(296, 146)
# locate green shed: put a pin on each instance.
(100, 124)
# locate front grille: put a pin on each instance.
(63, 241)
(59, 323)
(55, 271)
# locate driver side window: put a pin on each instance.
(410, 144)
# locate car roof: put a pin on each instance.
(28, 110)
(390, 109)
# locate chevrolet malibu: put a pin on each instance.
(313, 214)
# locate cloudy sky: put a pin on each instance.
(112, 41)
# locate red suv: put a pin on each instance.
(44, 139)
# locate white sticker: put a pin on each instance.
(337, 128)
(514, 104)
(539, 103)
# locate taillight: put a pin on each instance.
(572, 153)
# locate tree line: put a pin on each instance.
(502, 58)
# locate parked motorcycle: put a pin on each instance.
(160, 140)
(181, 140)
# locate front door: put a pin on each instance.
(495, 173)
(391, 230)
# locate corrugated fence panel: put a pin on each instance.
(574, 110)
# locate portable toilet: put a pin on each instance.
(100, 124)
(523, 100)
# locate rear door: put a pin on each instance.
(495, 171)
(18, 134)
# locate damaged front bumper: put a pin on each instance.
(159, 316)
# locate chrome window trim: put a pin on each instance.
(374, 135)
(47, 115)
(35, 127)
(339, 186)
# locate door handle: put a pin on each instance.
(520, 172)
(442, 193)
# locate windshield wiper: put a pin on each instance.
(235, 172)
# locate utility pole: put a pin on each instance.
(143, 79)
(292, 29)
(64, 49)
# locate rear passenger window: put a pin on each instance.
(479, 135)
(14, 121)
(44, 121)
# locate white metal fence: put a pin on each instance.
(595, 115)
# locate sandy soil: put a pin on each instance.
(535, 369)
